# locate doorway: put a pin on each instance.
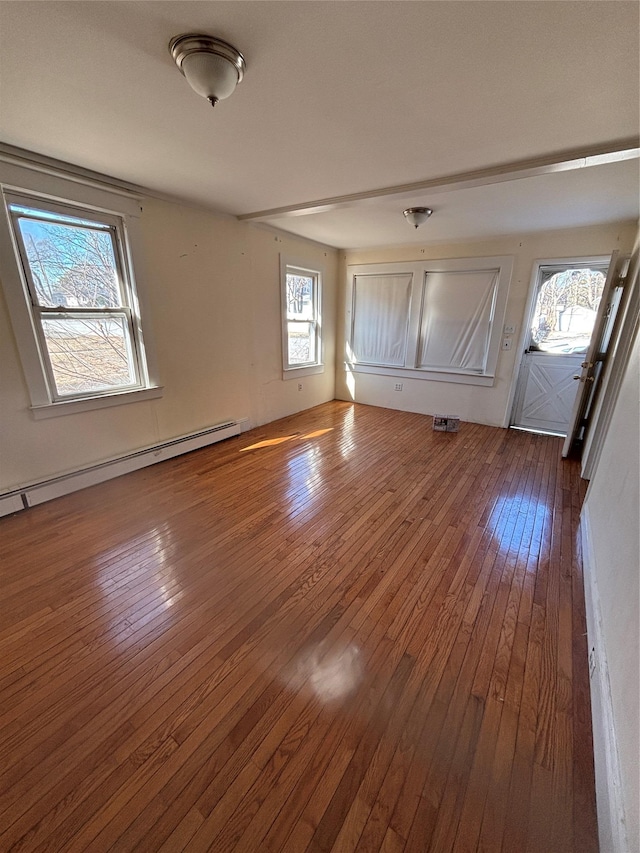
(562, 312)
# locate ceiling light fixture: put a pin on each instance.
(417, 215)
(212, 67)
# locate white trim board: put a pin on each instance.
(612, 829)
(617, 365)
(47, 490)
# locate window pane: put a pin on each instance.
(299, 297)
(52, 216)
(566, 309)
(89, 354)
(381, 313)
(302, 343)
(71, 267)
(457, 311)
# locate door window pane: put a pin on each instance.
(566, 308)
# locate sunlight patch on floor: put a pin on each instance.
(272, 442)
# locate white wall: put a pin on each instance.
(211, 288)
(471, 402)
(612, 513)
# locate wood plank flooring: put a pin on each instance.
(339, 632)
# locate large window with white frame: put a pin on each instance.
(301, 319)
(78, 291)
(437, 320)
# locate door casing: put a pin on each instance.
(601, 351)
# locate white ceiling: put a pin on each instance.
(339, 97)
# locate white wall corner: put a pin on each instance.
(612, 829)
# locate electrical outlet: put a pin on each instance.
(398, 386)
(299, 386)
(509, 330)
(507, 343)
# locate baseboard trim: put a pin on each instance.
(55, 487)
(612, 829)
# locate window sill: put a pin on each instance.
(70, 407)
(303, 370)
(485, 379)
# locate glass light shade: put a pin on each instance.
(213, 67)
(210, 75)
(417, 215)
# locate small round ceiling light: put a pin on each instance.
(212, 67)
(417, 215)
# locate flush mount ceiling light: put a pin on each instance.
(417, 215)
(212, 67)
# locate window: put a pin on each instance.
(301, 337)
(381, 315)
(436, 320)
(567, 300)
(457, 315)
(77, 287)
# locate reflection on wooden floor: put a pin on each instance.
(367, 637)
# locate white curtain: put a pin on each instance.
(381, 314)
(457, 310)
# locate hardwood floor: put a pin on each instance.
(342, 631)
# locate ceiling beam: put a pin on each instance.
(597, 155)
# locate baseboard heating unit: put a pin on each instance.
(64, 484)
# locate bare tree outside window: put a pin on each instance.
(565, 312)
(77, 293)
(71, 267)
(300, 319)
(299, 291)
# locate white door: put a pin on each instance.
(546, 392)
(564, 309)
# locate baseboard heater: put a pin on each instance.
(55, 487)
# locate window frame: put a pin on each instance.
(25, 312)
(291, 266)
(419, 271)
(544, 271)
